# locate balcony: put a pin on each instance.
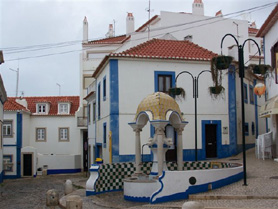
(82, 122)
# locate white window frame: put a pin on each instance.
(40, 134)
(8, 123)
(39, 110)
(63, 108)
(63, 134)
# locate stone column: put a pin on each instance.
(137, 150)
(179, 149)
(160, 137)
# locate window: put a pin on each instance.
(164, 80)
(245, 94)
(41, 108)
(274, 60)
(98, 100)
(89, 113)
(40, 134)
(63, 134)
(104, 88)
(8, 128)
(246, 129)
(104, 134)
(251, 94)
(8, 163)
(63, 108)
(94, 111)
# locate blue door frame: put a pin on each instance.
(218, 136)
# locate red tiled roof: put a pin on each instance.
(270, 21)
(198, 1)
(12, 105)
(253, 30)
(53, 101)
(111, 40)
(146, 23)
(163, 49)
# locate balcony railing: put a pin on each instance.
(82, 122)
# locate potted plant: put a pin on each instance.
(177, 92)
(216, 89)
(221, 62)
(260, 69)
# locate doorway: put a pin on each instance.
(27, 164)
(211, 140)
(171, 154)
(85, 151)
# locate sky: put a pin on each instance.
(42, 38)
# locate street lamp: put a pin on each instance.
(241, 75)
(195, 80)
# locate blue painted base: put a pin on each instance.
(11, 177)
(60, 171)
(1, 176)
(247, 146)
(137, 199)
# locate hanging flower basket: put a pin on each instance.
(177, 91)
(221, 62)
(260, 69)
(216, 89)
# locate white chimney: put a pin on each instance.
(129, 23)
(110, 32)
(198, 7)
(85, 30)
(22, 102)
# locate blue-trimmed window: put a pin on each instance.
(104, 134)
(163, 80)
(104, 88)
(246, 129)
(245, 93)
(251, 94)
(94, 111)
(98, 100)
(253, 128)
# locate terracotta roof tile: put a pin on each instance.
(270, 21)
(168, 49)
(253, 30)
(53, 101)
(111, 40)
(12, 105)
(163, 49)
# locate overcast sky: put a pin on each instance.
(25, 23)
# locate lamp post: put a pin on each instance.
(195, 80)
(241, 75)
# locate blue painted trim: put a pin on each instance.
(9, 145)
(218, 137)
(199, 188)
(1, 176)
(97, 149)
(60, 171)
(256, 112)
(19, 144)
(104, 134)
(136, 199)
(251, 92)
(10, 177)
(246, 132)
(247, 147)
(232, 107)
(157, 73)
(161, 187)
(253, 128)
(114, 108)
(153, 173)
(131, 158)
(104, 89)
(98, 100)
(89, 193)
(245, 90)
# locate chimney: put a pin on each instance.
(198, 7)
(22, 102)
(85, 30)
(110, 32)
(219, 14)
(129, 23)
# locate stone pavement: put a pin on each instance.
(261, 192)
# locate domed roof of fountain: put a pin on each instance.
(158, 104)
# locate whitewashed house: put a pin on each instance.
(269, 32)
(123, 79)
(41, 133)
(3, 98)
(203, 30)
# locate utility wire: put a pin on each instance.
(47, 46)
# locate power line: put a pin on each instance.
(70, 43)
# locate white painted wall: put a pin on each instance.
(59, 161)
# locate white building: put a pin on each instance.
(41, 132)
(3, 98)
(123, 79)
(269, 32)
